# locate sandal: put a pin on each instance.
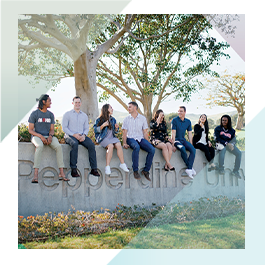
(34, 181)
(63, 178)
(172, 169)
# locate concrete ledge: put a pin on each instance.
(89, 193)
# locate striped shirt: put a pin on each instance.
(75, 122)
(135, 126)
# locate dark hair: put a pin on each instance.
(157, 114)
(206, 125)
(104, 115)
(76, 97)
(183, 107)
(133, 103)
(42, 97)
(229, 124)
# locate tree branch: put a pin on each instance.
(161, 35)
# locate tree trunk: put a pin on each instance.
(85, 84)
(240, 121)
(148, 108)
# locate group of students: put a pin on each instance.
(135, 136)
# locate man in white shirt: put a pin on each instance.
(76, 127)
(135, 136)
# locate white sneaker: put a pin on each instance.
(189, 173)
(107, 170)
(193, 172)
(124, 167)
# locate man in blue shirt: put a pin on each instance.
(179, 125)
(76, 127)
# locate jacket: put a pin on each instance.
(198, 134)
(101, 134)
(224, 137)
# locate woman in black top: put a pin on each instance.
(200, 140)
(159, 137)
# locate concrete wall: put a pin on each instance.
(89, 193)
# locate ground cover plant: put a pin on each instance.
(77, 223)
(218, 233)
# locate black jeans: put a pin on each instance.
(87, 143)
(209, 151)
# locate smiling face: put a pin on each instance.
(203, 119)
(110, 109)
(224, 122)
(181, 113)
(48, 103)
(77, 104)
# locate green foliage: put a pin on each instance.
(222, 233)
(58, 132)
(76, 223)
(23, 133)
(156, 67)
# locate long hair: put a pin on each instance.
(42, 97)
(104, 115)
(206, 125)
(157, 114)
(229, 124)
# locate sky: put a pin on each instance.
(64, 92)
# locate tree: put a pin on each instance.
(164, 55)
(229, 91)
(52, 47)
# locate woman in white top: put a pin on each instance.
(200, 140)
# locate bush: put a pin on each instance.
(23, 133)
(78, 223)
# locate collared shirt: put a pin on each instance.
(75, 122)
(181, 127)
(135, 126)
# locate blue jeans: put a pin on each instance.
(88, 144)
(182, 145)
(146, 146)
(235, 152)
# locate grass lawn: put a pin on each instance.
(221, 233)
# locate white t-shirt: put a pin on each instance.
(203, 137)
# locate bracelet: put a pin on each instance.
(51, 135)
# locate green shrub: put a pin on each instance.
(23, 133)
(76, 223)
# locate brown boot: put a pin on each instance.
(136, 175)
(146, 174)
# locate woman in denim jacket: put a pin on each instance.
(105, 129)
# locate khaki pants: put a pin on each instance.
(39, 147)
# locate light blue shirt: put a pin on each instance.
(75, 122)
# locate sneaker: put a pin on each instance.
(189, 173)
(124, 167)
(221, 172)
(95, 173)
(146, 174)
(193, 172)
(136, 175)
(236, 174)
(107, 170)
